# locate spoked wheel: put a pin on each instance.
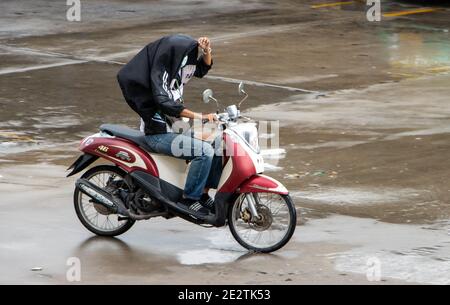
(95, 217)
(272, 229)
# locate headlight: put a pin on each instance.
(249, 133)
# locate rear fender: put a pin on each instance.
(262, 184)
(123, 153)
(81, 163)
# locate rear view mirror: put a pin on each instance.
(242, 92)
(207, 95)
(241, 88)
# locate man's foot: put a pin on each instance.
(207, 202)
(194, 205)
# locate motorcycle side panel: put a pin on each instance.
(263, 184)
(171, 170)
(121, 152)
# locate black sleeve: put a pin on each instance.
(161, 92)
(202, 68)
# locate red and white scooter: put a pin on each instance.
(141, 184)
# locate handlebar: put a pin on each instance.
(224, 117)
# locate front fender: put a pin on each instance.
(262, 184)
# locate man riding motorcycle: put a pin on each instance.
(152, 85)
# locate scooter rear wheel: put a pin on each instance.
(274, 228)
(96, 218)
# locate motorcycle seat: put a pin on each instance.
(127, 133)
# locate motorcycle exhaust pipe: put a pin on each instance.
(100, 196)
(110, 201)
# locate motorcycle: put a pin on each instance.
(142, 184)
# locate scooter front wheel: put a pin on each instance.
(271, 230)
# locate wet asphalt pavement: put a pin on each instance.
(364, 137)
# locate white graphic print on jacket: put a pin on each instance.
(186, 73)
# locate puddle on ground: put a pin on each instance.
(356, 196)
(419, 51)
(411, 253)
(221, 248)
(207, 256)
(272, 157)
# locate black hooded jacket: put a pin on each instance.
(145, 80)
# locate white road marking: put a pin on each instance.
(276, 29)
(29, 51)
(73, 59)
(39, 67)
(260, 84)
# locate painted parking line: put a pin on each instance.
(332, 4)
(440, 69)
(410, 12)
(9, 135)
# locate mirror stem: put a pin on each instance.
(239, 105)
(217, 103)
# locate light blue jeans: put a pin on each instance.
(205, 169)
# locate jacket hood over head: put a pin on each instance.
(145, 81)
